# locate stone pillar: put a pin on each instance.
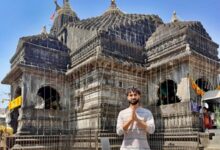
(183, 90)
(22, 121)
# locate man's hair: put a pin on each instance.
(134, 90)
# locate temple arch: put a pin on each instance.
(204, 84)
(167, 93)
(49, 97)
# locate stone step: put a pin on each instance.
(36, 147)
(216, 131)
(212, 148)
(214, 143)
(215, 140)
(179, 148)
(113, 147)
(83, 148)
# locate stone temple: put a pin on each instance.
(73, 79)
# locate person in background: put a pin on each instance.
(134, 123)
(207, 122)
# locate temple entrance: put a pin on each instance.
(15, 113)
(50, 97)
(167, 93)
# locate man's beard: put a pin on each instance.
(133, 101)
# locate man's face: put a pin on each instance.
(133, 98)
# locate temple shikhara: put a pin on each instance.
(68, 85)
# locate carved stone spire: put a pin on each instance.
(65, 15)
(44, 30)
(66, 4)
(174, 17)
(113, 4)
(113, 8)
(67, 8)
(57, 5)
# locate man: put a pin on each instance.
(207, 122)
(135, 122)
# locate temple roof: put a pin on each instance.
(45, 40)
(113, 18)
(170, 30)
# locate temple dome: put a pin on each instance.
(134, 28)
(184, 37)
(113, 18)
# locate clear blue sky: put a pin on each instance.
(27, 17)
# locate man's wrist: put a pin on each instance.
(142, 124)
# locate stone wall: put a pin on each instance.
(171, 71)
(78, 37)
(94, 99)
